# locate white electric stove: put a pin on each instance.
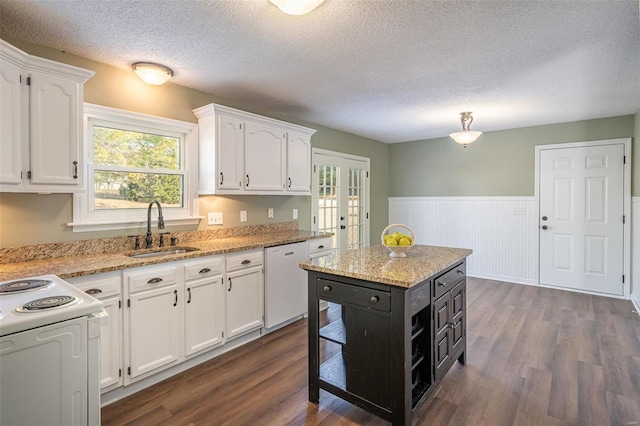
(49, 353)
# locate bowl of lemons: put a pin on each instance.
(398, 243)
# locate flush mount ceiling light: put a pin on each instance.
(297, 7)
(466, 136)
(151, 73)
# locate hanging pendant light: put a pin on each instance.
(466, 136)
(297, 7)
(150, 73)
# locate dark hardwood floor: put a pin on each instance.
(536, 356)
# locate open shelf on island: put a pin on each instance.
(333, 371)
(335, 332)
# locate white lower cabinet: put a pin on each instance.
(245, 292)
(204, 304)
(154, 319)
(107, 288)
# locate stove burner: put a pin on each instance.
(46, 303)
(23, 285)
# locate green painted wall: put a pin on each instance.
(499, 163)
(33, 218)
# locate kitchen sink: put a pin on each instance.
(161, 252)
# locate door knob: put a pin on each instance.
(544, 218)
(544, 226)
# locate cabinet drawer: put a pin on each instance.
(151, 278)
(202, 268)
(243, 260)
(320, 244)
(99, 287)
(446, 281)
(353, 294)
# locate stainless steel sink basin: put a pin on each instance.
(161, 252)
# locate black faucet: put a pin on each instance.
(149, 239)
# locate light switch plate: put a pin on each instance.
(215, 218)
(270, 213)
(243, 215)
(295, 213)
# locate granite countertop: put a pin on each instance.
(88, 264)
(374, 264)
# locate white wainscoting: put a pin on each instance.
(635, 252)
(501, 231)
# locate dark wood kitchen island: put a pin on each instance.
(402, 325)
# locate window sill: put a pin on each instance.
(130, 224)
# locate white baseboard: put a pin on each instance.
(502, 278)
(636, 303)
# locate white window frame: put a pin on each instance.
(88, 219)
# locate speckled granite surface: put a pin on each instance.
(74, 259)
(374, 264)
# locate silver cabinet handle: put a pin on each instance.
(247, 181)
(327, 288)
(204, 270)
(374, 299)
(221, 178)
(460, 271)
(230, 284)
(75, 170)
(189, 292)
(289, 182)
(442, 283)
(175, 292)
(93, 291)
(154, 281)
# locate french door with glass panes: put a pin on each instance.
(340, 202)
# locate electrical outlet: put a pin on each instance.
(270, 213)
(243, 215)
(215, 218)
(295, 214)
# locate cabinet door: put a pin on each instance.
(55, 131)
(11, 121)
(442, 341)
(204, 314)
(264, 158)
(245, 301)
(110, 345)
(154, 319)
(230, 141)
(298, 163)
(457, 320)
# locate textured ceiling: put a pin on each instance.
(390, 70)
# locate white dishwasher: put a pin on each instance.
(285, 295)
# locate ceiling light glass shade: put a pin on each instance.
(465, 137)
(297, 7)
(151, 73)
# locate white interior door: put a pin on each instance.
(581, 218)
(340, 202)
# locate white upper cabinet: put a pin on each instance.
(41, 123)
(11, 101)
(264, 157)
(230, 134)
(244, 153)
(299, 163)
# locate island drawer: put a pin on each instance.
(355, 295)
(445, 281)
